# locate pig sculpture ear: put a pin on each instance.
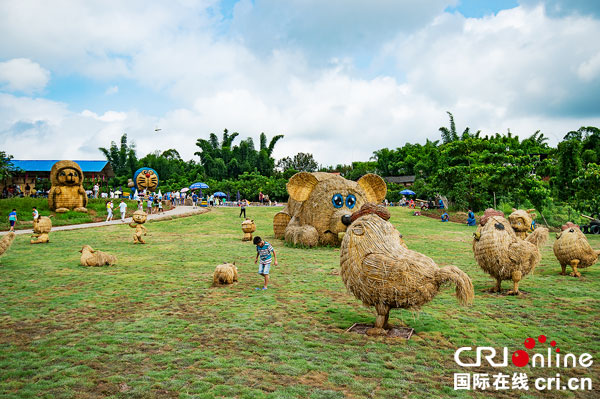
(374, 187)
(301, 185)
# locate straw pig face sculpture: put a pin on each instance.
(504, 256)
(92, 257)
(226, 273)
(138, 220)
(41, 227)
(380, 271)
(521, 221)
(317, 203)
(67, 191)
(572, 248)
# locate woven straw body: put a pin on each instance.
(92, 257)
(572, 245)
(41, 227)
(504, 256)
(248, 227)
(520, 220)
(226, 273)
(67, 191)
(380, 271)
(317, 203)
(6, 242)
(137, 222)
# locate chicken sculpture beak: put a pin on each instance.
(477, 235)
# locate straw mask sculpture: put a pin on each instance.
(504, 256)
(572, 248)
(380, 271)
(67, 191)
(317, 203)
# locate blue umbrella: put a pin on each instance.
(407, 192)
(220, 194)
(198, 185)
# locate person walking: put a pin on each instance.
(123, 209)
(109, 210)
(12, 219)
(149, 204)
(243, 204)
(96, 190)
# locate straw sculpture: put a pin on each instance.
(67, 191)
(6, 242)
(137, 222)
(317, 201)
(248, 227)
(521, 220)
(41, 227)
(489, 213)
(382, 272)
(572, 248)
(145, 179)
(92, 257)
(504, 256)
(226, 273)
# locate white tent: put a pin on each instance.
(135, 195)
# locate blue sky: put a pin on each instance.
(365, 74)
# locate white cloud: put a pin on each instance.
(112, 90)
(24, 75)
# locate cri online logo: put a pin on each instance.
(521, 358)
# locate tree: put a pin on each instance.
(301, 162)
(122, 159)
(7, 170)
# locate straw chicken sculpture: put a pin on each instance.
(6, 242)
(504, 256)
(317, 203)
(521, 222)
(572, 248)
(226, 273)
(380, 271)
(92, 257)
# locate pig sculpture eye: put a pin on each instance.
(337, 200)
(350, 201)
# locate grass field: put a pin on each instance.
(151, 326)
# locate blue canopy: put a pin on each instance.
(198, 185)
(220, 194)
(407, 192)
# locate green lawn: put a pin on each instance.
(151, 326)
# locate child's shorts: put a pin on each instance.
(12, 223)
(263, 268)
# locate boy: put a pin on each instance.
(12, 218)
(264, 250)
(123, 209)
(194, 201)
(35, 214)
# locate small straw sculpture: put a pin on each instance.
(6, 242)
(521, 220)
(225, 273)
(380, 271)
(572, 248)
(317, 202)
(137, 222)
(67, 191)
(92, 257)
(248, 227)
(41, 227)
(504, 256)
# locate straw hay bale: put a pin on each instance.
(67, 191)
(6, 242)
(521, 220)
(92, 257)
(378, 270)
(248, 227)
(137, 222)
(504, 256)
(41, 227)
(225, 273)
(312, 216)
(572, 248)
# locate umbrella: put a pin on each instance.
(184, 190)
(407, 192)
(118, 192)
(159, 194)
(198, 185)
(238, 196)
(220, 194)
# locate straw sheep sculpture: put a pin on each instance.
(380, 271)
(317, 201)
(226, 273)
(137, 222)
(41, 227)
(504, 256)
(6, 242)
(67, 191)
(521, 220)
(92, 257)
(572, 248)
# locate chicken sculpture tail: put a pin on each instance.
(538, 237)
(464, 286)
(6, 242)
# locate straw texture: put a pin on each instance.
(312, 217)
(248, 227)
(6, 242)
(137, 222)
(520, 220)
(41, 227)
(92, 257)
(572, 248)
(226, 273)
(67, 191)
(380, 271)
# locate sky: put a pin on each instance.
(339, 79)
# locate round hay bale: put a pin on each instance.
(225, 273)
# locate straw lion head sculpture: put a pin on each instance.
(67, 191)
(317, 203)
